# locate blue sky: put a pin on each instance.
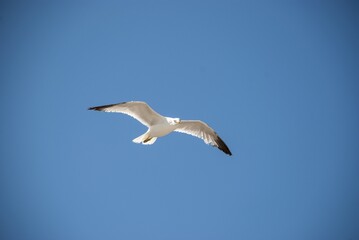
(278, 81)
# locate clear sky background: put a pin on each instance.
(278, 81)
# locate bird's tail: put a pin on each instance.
(149, 141)
(145, 139)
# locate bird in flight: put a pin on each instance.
(159, 126)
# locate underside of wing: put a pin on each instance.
(202, 130)
(138, 110)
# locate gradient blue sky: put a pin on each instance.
(278, 80)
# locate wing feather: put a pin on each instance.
(141, 111)
(202, 130)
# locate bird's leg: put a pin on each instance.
(148, 139)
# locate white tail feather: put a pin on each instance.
(141, 138)
(144, 139)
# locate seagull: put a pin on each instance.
(159, 126)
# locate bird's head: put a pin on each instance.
(174, 121)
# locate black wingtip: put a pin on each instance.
(222, 146)
(95, 108)
(100, 108)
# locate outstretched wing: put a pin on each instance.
(138, 110)
(202, 130)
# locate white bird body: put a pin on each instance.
(159, 126)
(155, 131)
(160, 130)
